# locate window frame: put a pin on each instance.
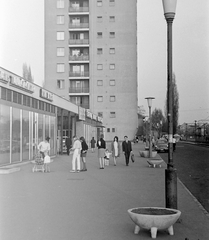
(100, 81)
(60, 35)
(60, 18)
(112, 66)
(99, 98)
(61, 85)
(112, 98)
(59, 66)
(99, 66)
(112, 80)
(59, 52)
(112, 51)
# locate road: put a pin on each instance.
(192, 164)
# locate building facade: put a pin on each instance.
(29, 114)
(91, 59)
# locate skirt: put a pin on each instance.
(101, 153)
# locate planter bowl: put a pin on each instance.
(146, 154)
(154, 162)
(154, 218)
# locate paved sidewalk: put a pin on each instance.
(91, 205)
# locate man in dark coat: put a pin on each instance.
(127, 149)
(68, 144)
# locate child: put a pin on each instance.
(107, 157)
(46, 162)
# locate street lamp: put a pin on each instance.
(169, 7)
(149, 101)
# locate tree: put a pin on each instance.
(158, 120)
(27, 73)
(175, 98)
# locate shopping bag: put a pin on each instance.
(132, 157)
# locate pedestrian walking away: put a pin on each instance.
(174, 144)
(115, 148)
(84, 149)
(93, 142)
(68, 144)
(101, 144)
(127, 149)
(44, 148)
(76, 155)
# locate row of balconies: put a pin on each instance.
(77, 9)
(79, 74)
(79, 90)
(78, 25)
(79, 58)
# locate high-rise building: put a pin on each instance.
(91, 59)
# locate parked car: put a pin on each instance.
(161, 145)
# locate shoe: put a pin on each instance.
(73, 171)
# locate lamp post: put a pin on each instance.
(149, 101)
(169, 7)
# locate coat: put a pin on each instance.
(126, 146)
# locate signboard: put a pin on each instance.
(46, 95)
(81, 113)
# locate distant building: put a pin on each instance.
(91, 59)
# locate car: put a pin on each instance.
(161, 145)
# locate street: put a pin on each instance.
(192, 164)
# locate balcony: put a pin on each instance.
(78, 25)
(78, 74)
(79, 90)
(76, 9)
(78, 58)
(78, 41)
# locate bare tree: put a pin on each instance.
(158, 121)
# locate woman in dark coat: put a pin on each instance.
(101, 144)
(83, 153)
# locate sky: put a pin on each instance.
(22, 41)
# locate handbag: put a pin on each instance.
(132, 157)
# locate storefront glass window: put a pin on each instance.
(5, 134)
(25, 135)
(15, 135)
(52, 135)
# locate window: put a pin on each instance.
(60, 36)
(99, 3)
(60, 67)
(108, 129)
(112, 66)
(99, 99)
(99, 50)
(112, 18)
(112, 50)
(113, 129)
(112, 114)
(60, 4)
(100, 114)
(60, 83)
(60, 19)
(112, 34)
(99, 82)
(99, 19)
(99, 35)
(112, 98)
(99, 66)
(60, 52)
(112, 82)
(112, 2)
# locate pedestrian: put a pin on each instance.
(101, 144)
(127, 149)
(115, 148)
(84, 149)
(68, 144)
(76, 167)
(93, 142)
(174, 144)
(44, 148)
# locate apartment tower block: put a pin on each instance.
(91, 59)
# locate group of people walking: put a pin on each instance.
(79, 150)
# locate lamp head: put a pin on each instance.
(169, 7)
(149, 101)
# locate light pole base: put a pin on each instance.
(171, 188)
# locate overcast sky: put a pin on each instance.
(22, 40)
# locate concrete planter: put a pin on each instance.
(155, 162)
(146, 154)
(154, 218)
